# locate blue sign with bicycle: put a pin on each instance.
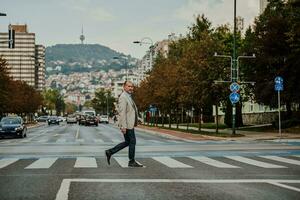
(278, 83)
(234, 97)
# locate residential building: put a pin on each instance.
(26, 60)
(262, 5)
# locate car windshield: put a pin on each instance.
(10, 121)
(53, 117)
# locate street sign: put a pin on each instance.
(234, 97)
(278, 83)
(235, 87)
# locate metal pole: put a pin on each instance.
(279, 117)
(107, 105)
(234, 68)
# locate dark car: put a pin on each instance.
(12, 126)
(91, 120)
(82, 119)
(53, 120)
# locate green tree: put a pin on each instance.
(103, 101)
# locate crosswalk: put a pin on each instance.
(230, 162)
(87, 141)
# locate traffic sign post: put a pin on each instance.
(234, 97)
(279, 87)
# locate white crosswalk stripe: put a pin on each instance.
(6, 162)
(170, 162)
(254, 162)
(281, 159)
(212, 162)
(85, 162)
(42, 163)
(122, 161)
(61, 140)
(98, 141)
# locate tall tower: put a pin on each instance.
(82, 36)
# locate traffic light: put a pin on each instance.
(11, 38)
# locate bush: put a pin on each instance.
(286, 123)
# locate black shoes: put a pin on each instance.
(134, 164)
(108, 156)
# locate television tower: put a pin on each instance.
(82, 36)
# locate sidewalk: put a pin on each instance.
(247, 135)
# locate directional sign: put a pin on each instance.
(234, 97)
(235, 87)
(278, 83)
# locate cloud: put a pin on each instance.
(218, 11)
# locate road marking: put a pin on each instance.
(280, 159)
(77, 133)
(212, 162)
(79, 140)
(42, 163)
(170, 162)
(253, 162)
(122, 161)
(61, 140)
(85, 162)
(63, 192)
(116, 140)
(98, 141)
(6, 162)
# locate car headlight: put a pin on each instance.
(18, 128)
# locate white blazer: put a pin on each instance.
(126, 111)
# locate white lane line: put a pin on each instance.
(122, 161)
(85, 162)
(170, 162)
(281, 159)
(77, 133)
(285, 186)
(79, 140)
(98, 141)
(63, 192)
(253, 162)
(212, 162)
(6, 162)
(156, 141)
(42, 163)
(42, 141)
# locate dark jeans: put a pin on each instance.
(129, 141)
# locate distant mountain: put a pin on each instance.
(68, 58)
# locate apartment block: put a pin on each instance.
(26, 60)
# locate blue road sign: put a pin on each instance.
(235, 87)
(278, 83)
(234, 97)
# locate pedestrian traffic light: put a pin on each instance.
(11, 38)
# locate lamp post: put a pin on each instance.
(144, 41)
(118, 58)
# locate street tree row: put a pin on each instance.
(186, 78)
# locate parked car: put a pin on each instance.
(42, 118)
(104, 119)
(53, 120)
(12, 126)
(91, 120)
(61, 119)
(71, 119)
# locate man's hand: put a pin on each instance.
(123, 130)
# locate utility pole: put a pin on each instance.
(234, 87)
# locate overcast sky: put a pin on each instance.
(117, 23)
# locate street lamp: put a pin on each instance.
(144, 41)
(118, 58)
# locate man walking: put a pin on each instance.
(128, 119)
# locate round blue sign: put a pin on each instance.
(234, 97)
(235, 87)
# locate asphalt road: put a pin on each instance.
(67, 162)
